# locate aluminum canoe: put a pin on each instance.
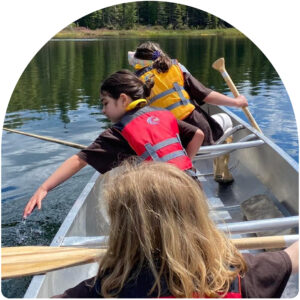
(259, 167)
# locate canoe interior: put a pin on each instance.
(263, 170)
(267, 165)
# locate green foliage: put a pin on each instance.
(176, 17)
(113, 17)
(151, 13)
(162, 18)
(129, 15)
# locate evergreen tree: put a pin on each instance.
(143, 13)
(167, 14)
(152, 12)
(170, 11)
(129, 15)
(162, 18)
(107, 17)
(177, 18)
(196, 18)
(184, 16)
(96, 20)
(212, 21)
(113, 17)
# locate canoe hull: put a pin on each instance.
(248, 166)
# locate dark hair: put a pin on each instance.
(126, 82)
(152, 51)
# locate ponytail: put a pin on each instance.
(152, 51)
(162, 64)
(148, 85)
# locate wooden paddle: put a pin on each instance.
(219, 65)
(31, 260)
(45, 138)
(263, 242)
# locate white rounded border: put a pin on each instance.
(27, 25)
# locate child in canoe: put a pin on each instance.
(150, 133)
(178, 91)
(162, 243)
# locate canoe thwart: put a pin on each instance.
(229, 133)
(214, 151)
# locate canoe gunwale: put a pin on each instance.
(267, 141)
(37, 280)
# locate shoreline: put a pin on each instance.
(84, 33)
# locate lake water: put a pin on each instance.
(58, 96)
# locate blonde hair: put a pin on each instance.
(159, 212)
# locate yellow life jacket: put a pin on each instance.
(168, 91)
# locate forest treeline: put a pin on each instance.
(151, 13)
(67, 74)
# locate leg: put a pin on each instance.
(221, 171)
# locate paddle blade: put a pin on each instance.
(219, 64)
(31, 260)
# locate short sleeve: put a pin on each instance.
(195, 88)
(107, 151)
(186, 132)
(267, 274)
(84, 289)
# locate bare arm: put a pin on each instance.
(64, 172)
(293, 252)
(195, 143)
(216, 98)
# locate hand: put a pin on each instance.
(241, 101)
(36, 200)
(70, 167)
(293, 252)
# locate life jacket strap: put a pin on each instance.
(173, 155)
(176, 88)
(141, 72)
(178, 137)
(146, 69)
(151, 150)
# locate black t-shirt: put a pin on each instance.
(198, 92)
(267, 276)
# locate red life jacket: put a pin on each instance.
(234, 290)
(154, 135)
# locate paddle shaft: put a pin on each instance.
(221, 68)
(49, 139)
(264, 242)
(31, 260)
(235, 92)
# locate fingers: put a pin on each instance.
(29, 208)
(33, 202)
(39, 204)
(243, 101)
